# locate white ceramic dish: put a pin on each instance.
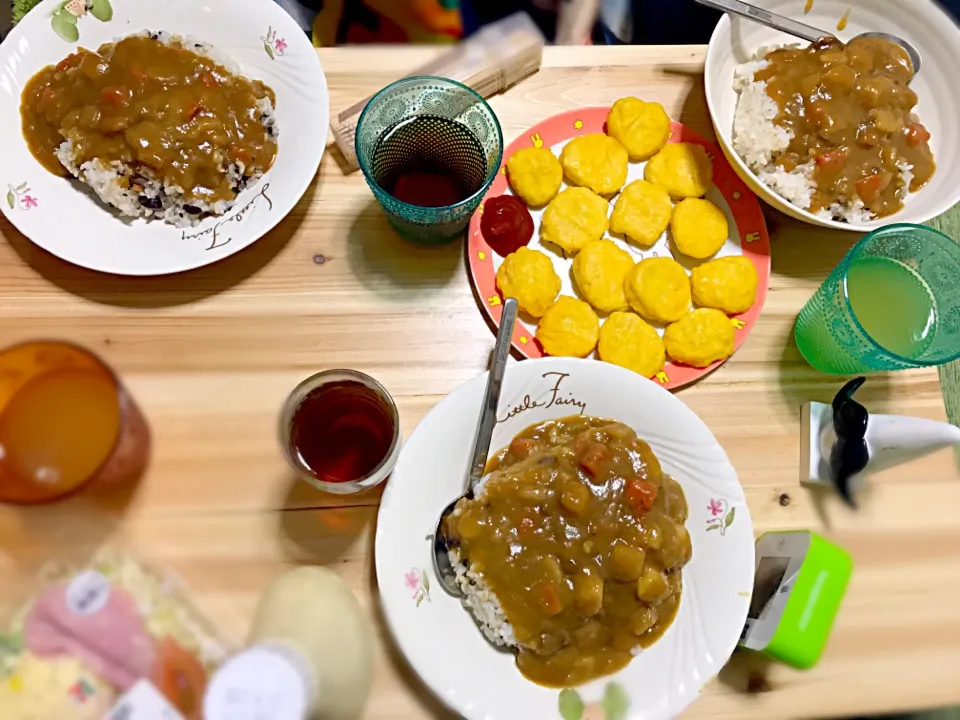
(62, 218)
(441, 641)
(921, 22)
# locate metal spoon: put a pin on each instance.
(481, 447)
(799, 29)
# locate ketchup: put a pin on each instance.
(506, 224)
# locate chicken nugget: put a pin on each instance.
(727, 283)
(628, 341)
(569, 327)
(643, 128)
(528, 276)
(535, 175)
(700, 338)
(595, 161)
(659, 289)
(573, 218)
(599, 270)
(699, 227)
(642, 212)
(684, 169)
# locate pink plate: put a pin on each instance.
(748, 234)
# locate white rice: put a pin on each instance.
(758, 140)
(482, 603)
(137, 192)
(478, 599)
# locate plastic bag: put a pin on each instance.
(111, 639)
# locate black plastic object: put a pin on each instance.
(850, 453)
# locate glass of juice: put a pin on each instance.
(340, 431)
(893, 302)
(65, 422)
(429, 148)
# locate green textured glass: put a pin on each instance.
(905, 282)
(444, 100)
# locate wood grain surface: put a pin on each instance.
(210, 355)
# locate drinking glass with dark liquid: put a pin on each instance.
(429, 148)
(340, 431)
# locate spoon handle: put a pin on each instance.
(765, 17)
(491, 397)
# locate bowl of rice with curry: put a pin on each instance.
(158, 125)
(842, 132)
(149, 139)
(606, 558)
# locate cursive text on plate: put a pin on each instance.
(218, 238)
(553, 398)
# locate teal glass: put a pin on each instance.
(436, 97)
(831, 337)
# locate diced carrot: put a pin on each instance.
(180, 677)
(71, 61)
(870, 187)
(115, 95)
(521, 447)
(47, 97)
(190, 111)
(209, 80)
(549, 598)
(832, 161)
(916, 134)
(641, 494)
(594, 458)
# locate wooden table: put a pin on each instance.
(211, 354)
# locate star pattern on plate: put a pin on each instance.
(481, 255)
(523, 339)
(578, 124)
(480, 209)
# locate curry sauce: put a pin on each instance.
(580, 535)
(139, 101)
(850, 111)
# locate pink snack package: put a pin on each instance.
(104, 640)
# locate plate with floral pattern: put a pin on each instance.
(63, 217)
(440, 640)
(747, 236)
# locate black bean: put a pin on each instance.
(153, 203)
(192, 209)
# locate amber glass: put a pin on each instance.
(65, 420)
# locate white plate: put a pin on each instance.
(921, 22)
(56, 214)
(435, 633)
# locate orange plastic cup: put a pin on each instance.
(65, 420)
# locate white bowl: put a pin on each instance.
(921, 22)
(435, 633)
(61, 217)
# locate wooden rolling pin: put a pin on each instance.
(490, 61)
